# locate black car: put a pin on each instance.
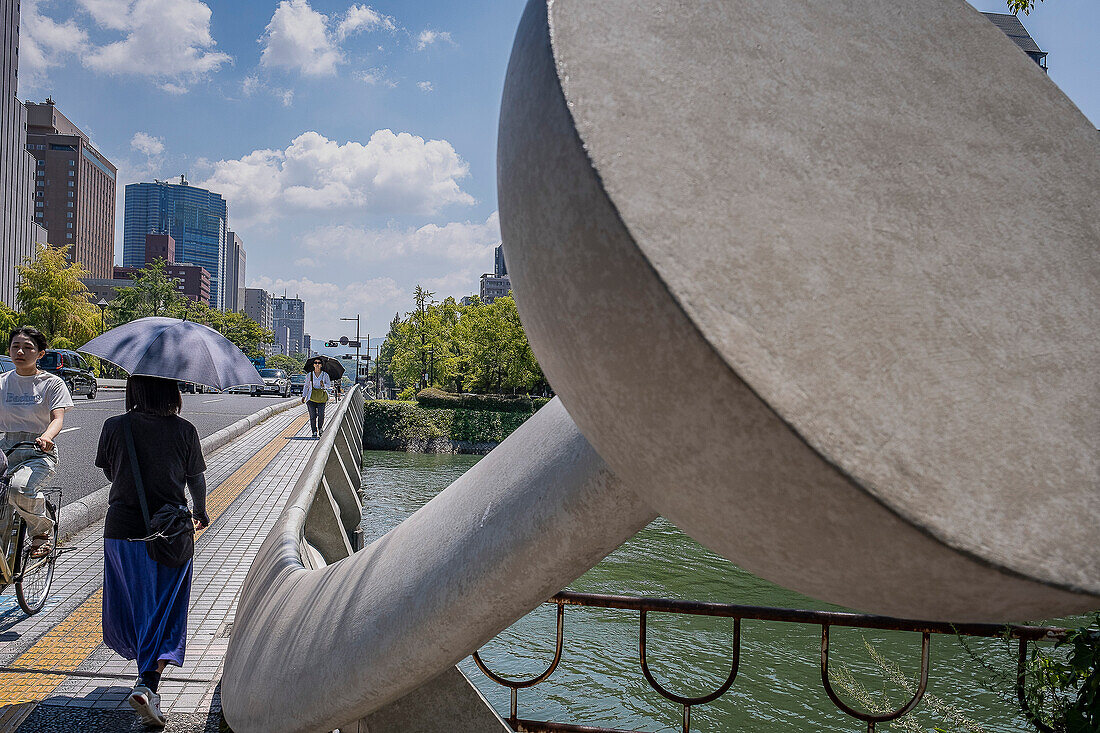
(71, 367)
(297, 383)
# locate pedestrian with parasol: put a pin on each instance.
(151, 455)
(319, 381)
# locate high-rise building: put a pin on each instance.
(258, 307)
(192, 281)
(234, 272)
(1011, 26)
(18, 232)
(291, 313)
(74, 197)
(196, 218)
(500, 269)
(159, 247)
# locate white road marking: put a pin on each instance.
(207, 402)
(65, 430)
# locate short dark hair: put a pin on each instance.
(155, 395)
(315, 360)
(30, 332)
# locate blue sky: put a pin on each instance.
(354, 143)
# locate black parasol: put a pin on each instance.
(329, 365)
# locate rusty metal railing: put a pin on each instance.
(825, 619)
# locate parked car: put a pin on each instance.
(297, 383)
(186, 387)
(71, 367)
(6, 364)
(276, 382)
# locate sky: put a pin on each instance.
(355, 144)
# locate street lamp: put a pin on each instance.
(102, 309)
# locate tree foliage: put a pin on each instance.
(152, 293)
(292, 364)
(53, 300)
(1016, 6)
(481, 348)
(9, 319)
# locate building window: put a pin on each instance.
(72, 162)
(72, 173)
(69, 225)
(38, 214)
(39, 204)
(69, 204)
(69, 194)
(68, 235)
(41, 162)
(41, 174)
(72, 183)
(68, 215)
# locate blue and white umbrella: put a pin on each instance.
(175, 349)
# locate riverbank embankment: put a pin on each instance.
(444, 423)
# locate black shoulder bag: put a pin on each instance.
(171, 531)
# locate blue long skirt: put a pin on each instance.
(144, 605)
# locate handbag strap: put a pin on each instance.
(128, 433)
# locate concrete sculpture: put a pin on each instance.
(870, 269)
(817, 281)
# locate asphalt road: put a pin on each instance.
(77, 475)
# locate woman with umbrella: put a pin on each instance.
(315, 393)
(152, 457)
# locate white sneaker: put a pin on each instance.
(146, 704)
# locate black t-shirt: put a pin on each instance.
(168, 451)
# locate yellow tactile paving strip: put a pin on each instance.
(65, 647)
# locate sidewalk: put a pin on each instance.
(56, 675)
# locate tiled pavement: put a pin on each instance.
(249, 481)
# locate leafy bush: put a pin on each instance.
(433, 398)
(400, 425)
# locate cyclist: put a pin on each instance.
(32, 409)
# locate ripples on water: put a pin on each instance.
(778, 687)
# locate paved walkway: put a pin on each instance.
(55, 673)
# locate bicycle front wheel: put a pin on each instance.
(36, 573)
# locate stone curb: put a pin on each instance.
(87, 511)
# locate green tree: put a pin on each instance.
(9, 319)
(53, 299)
(292, 364)
(244, 332)
(497, 354)
(1025, 5)
(152, 293)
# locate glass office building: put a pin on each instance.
(196, 218)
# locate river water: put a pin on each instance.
(778, 687)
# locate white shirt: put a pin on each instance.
(26, 402)
(324, 381)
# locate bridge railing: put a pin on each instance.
(1023, 635)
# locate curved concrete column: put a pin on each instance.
(314, 649)
(822, 292)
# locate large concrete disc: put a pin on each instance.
(820, 281)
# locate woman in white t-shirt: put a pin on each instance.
(315, 394)
(32, 410)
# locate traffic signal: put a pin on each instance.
(331, 344)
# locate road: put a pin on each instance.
(77, 476)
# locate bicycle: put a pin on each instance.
(32, 576)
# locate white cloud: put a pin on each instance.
(167, 40)
(305, 262)
(360, 18)
(307, 41)
(147, 144)
(288, 97)
(297, 37)
(327, 302)
(425, 86)
(460, 242)
(390, 174)
(376, 77)
(427, 37)
(251, 84)
(43, 43)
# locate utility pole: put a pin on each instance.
(356, 319)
